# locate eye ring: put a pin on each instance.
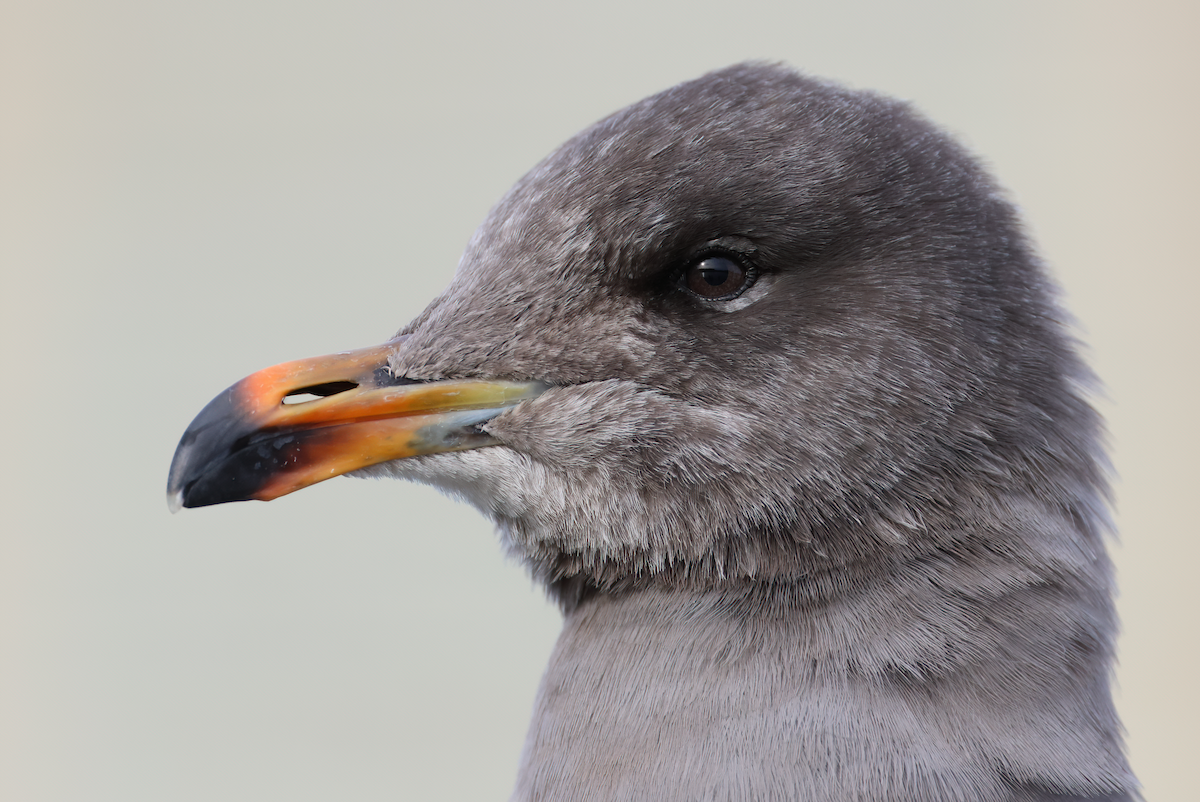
(716, 277)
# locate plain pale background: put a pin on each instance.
(191, 191)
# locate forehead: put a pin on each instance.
(705, 160)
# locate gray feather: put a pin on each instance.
(841, 540)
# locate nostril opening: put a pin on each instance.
(303, 395)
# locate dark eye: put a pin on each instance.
(717, 278)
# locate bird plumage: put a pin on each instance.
(838, 536)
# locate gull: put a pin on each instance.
(762, 379)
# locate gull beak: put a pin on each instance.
(299, 423)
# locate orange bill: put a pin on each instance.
(298, 423)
